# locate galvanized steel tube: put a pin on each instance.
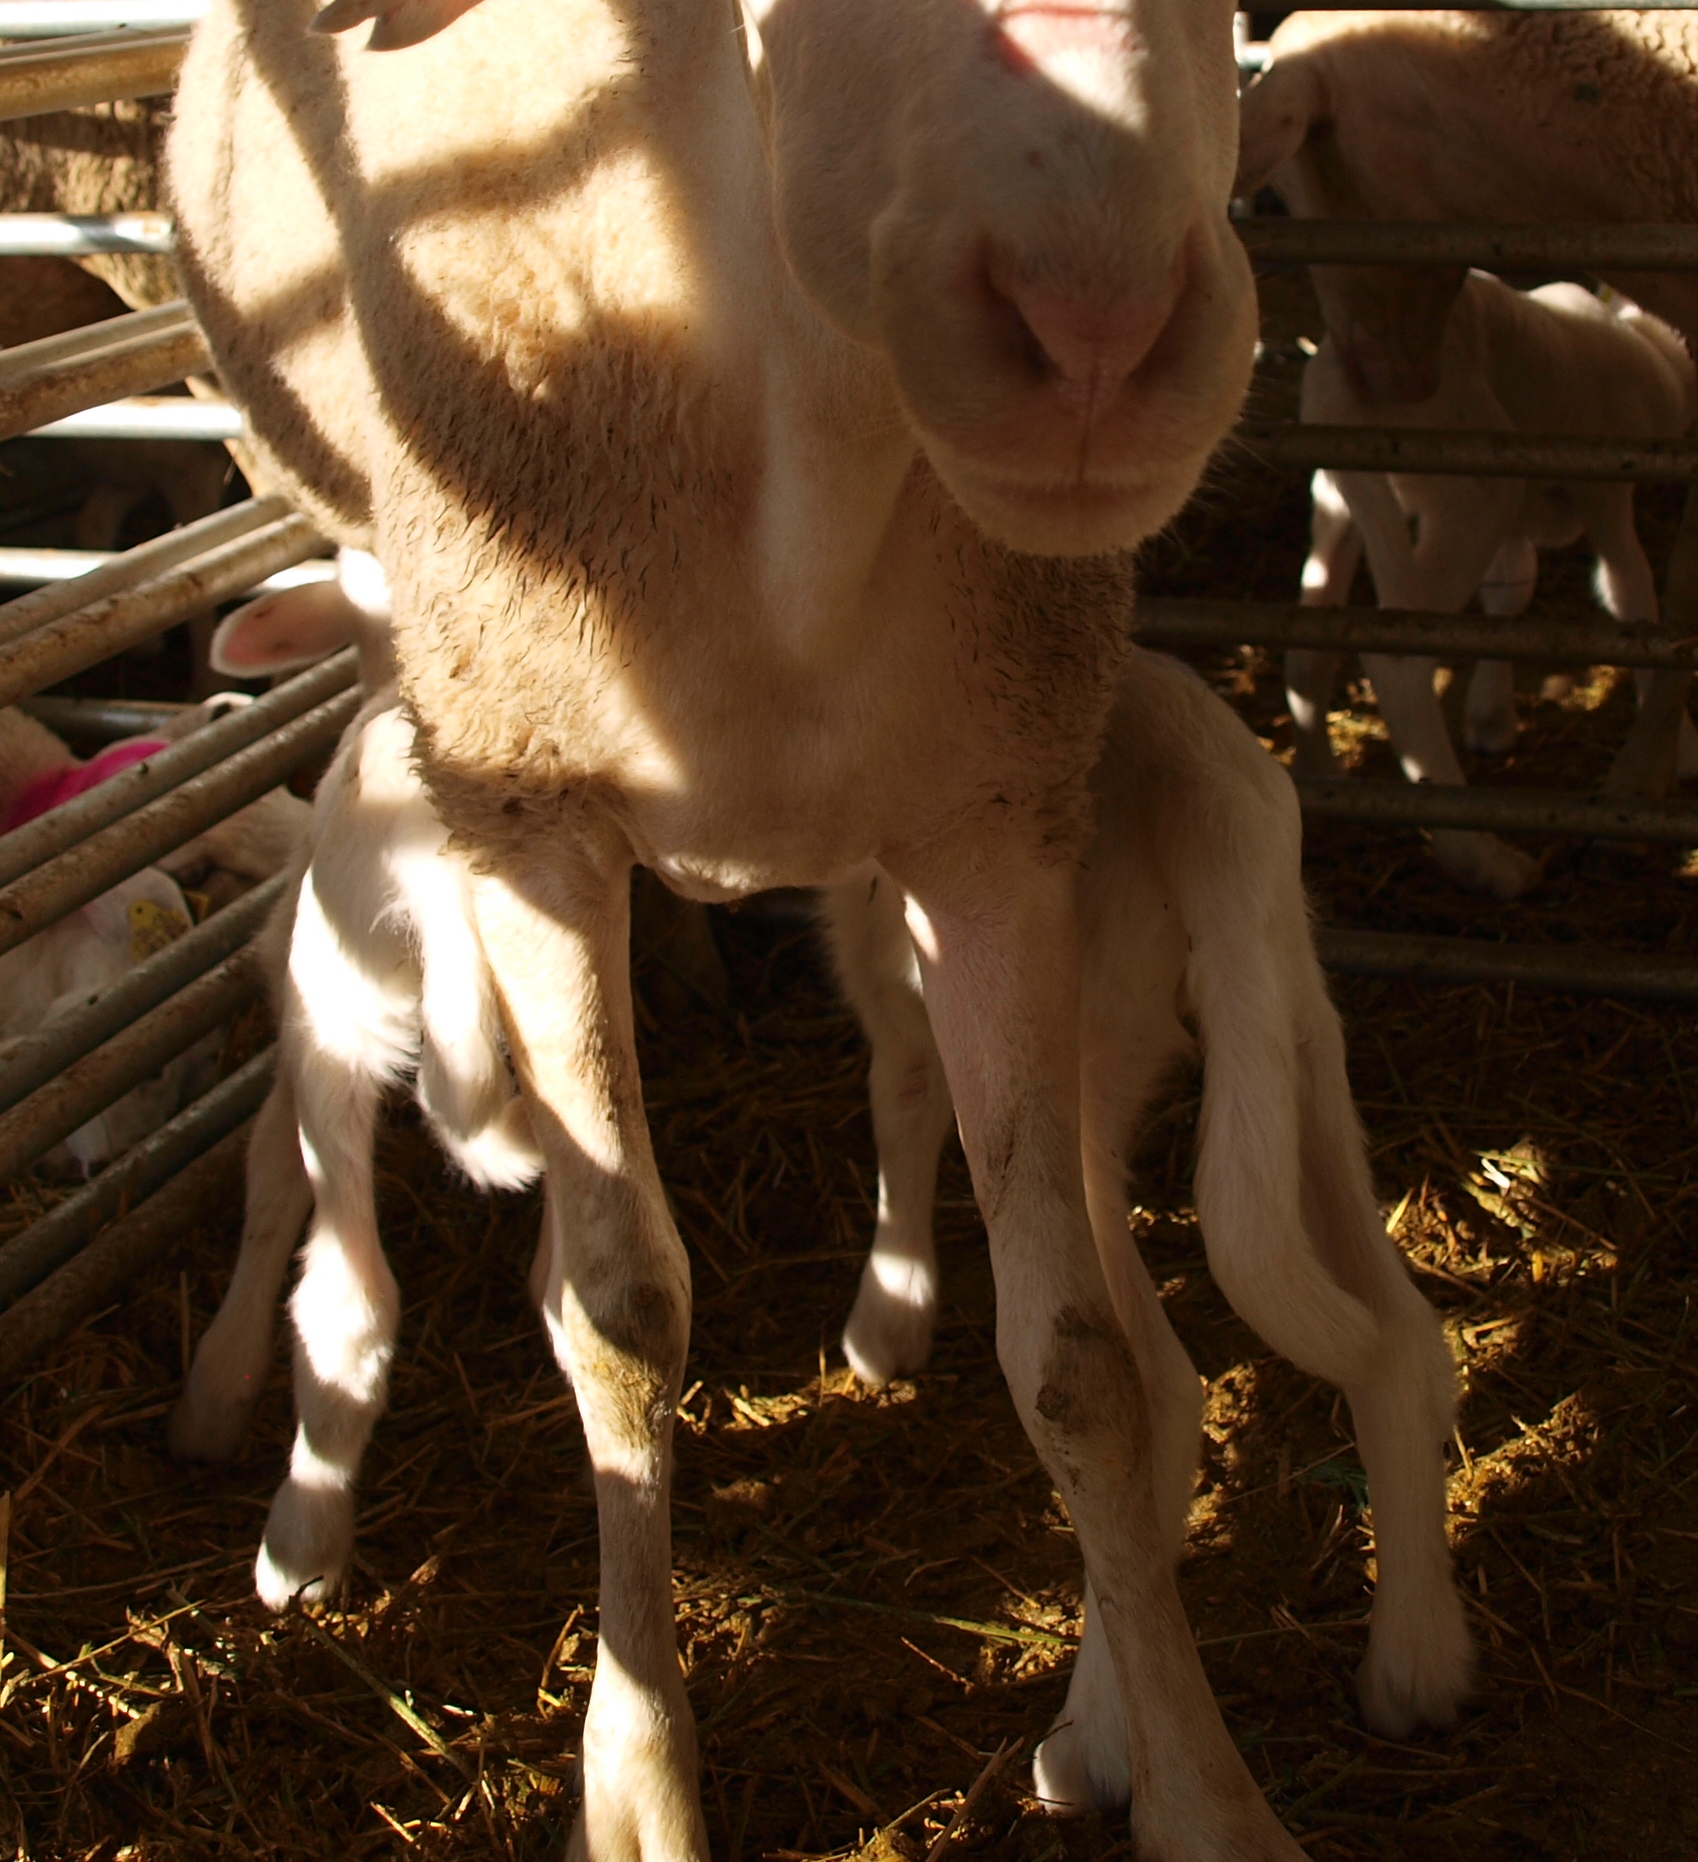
(88, 635)
(1583, 969)
(84, 872)
(1221, 623)
(133, 354)
(1311, 447)
(97, 68)
(103, 720)
(38, 841)
(76, 235)
(45, 1244)
(55, 19)
(101, 1078)
(1503, 811)
(148, 417)
(34, 1059)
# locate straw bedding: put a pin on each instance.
(878, 1594)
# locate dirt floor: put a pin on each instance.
(877, 1594)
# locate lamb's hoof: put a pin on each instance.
(309, 1537)
(889, 1333)
(1074, 1773)
(1493, 867)
(1417, 1673)
(1492, 736)
(202, 1429)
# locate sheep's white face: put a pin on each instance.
(1022, 204)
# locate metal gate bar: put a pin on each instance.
(132, 354)
(1220, 622)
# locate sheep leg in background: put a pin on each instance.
(1462, 523)
(1490, 725)
(889, 1333)
(616, 1299)
(233, 1358)
(1335, 554)
(1628, 589)
(998, 950)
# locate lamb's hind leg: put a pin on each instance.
(615, 1286)
(1000, 957)
(1420, 1658)
(345, 1308)
(234, 1356)
(890, 1329)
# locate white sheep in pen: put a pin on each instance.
(697, 389)
(1588, 117)
(56, 970)
(1555, 360)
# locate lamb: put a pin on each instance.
(1190, 903)
(52, 972)
(747, 425)
(1554, 360)
(376, 975)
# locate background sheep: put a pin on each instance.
(53, 972)
(1589, 116)
(1555, 360)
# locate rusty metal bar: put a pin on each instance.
(103, 720)
(1163, 622)
(1503, 811)
(99, 67)
(58, 19)
(101, 1078)
(1581, 969)
(1312, 447)
(102, 1269)
(145, 561)
(1273, 239)
(88, 635)
(34, 1059)
(133, 354)
(43, 897)
(48, 1243)
(28, 847)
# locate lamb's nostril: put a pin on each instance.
(1090, 346)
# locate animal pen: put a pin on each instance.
(873, 1587)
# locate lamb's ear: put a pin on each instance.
(1274, 119)
(294, 627)
(399, 22)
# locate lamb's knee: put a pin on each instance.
(625, 1349)
(1086, 1406)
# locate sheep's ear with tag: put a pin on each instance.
(398, 22)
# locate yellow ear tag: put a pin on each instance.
(152, 927)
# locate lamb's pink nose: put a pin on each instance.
(1090, 349)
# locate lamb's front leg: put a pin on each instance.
(1002, 982)
(889, 1333)
(615, 1294)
